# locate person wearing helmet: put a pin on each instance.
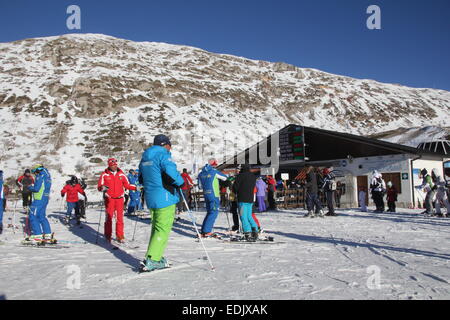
(378, 188)
(311, 177)
(72, 188)
(209, 181)
(329, 187)
(429, 188)
(23, 182)
(261, 188)
(391, 196)
(135, 196)
(244, 188)
(161, 180)
(441, 193)
(40, 227)
(112, 183)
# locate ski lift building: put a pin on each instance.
(353, 158)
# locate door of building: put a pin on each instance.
(362, 182)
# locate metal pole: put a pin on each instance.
(196, 229)
(135, 223)
(100, 218)
(14, 217)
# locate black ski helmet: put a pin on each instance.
(424, 172)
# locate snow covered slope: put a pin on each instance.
(72, 101)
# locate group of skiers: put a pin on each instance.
(314, 181)
(434, 186)
(378, 189)
(166, 190)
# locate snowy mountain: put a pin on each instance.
(72, 101)
(414, 136)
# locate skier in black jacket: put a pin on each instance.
(329, 187)
(243, 187)
(312, 193)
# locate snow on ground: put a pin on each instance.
(323, 258)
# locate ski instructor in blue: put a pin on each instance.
(209, 182)
(162, 182)
(40, 227)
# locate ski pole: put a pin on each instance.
(196, 229)
(100, 218)
(14, 218)
(135, 223)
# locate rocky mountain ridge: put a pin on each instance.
(71, 101)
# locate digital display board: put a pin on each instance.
(292, 143)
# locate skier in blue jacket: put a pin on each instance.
(135, 196)
(208, 179)
(161, 180)
(40, 227)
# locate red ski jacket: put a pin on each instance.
(72, 192)
(188, 183)
(391, 194)
(115, 183)
(27, 181)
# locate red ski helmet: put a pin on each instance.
(213, 162)
(112, 162)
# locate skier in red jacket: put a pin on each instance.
(187, 186)
(112, 183)
(72, 188)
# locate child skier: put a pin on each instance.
(362, 199)
(72, 188)
(391, 196)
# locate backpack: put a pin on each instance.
(333, 185)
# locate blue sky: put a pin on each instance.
(412, 48)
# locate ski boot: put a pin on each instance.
(49, 238)
(35, 239)
(148, 265)
(66, 220)
(208, 235)
(121, 240)
(309, 214)
(255, 234)
(248, 237)
(321, 213)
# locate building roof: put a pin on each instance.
(438, 146)
(325, 145)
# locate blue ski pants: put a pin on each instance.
(1, 212)
(71, 206)
(135, 202)
(248, 223)
(38, 221)
(212, 211)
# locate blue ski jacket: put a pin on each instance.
(1, 187)
(159, 175)
(208, 179)
(42, 185)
